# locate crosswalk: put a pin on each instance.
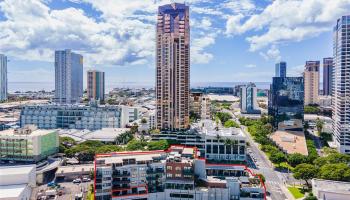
(273, 186)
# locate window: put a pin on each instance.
(178, 175)
(169, 175)
(169, 167)
(178, 168)
(208, 148)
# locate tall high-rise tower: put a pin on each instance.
(96, 85)
(68, 77)
(173, 67)
(311, 82)
(3, 77)
(281, 69)
(341, 92)
(328, 76)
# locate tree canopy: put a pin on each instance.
(305, 172)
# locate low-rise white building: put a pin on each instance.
(330, 190)
(28, 144)
(16, 182)
(213, 142)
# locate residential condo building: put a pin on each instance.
(68, 77)
(311, 82)
(173, 67)
(248, 99)
(341, 100)
(172, 174)
(3, 77)
(328, 76)
(71, 116)
(281, 69)
(28, 144)
(200, 105)
(96, 85)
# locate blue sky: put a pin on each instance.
(231, 40)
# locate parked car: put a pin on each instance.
(85, 179)
(78, 180)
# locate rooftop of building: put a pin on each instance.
(12, 191)
(74, 168)
(209, 127)
(313, 117)
(229, 98)
(175, 153)
(290, 141)
(16, 170)
(104, 134)
(28, 130)
(331, 186)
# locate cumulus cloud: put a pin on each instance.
(122, 34)
(287, 21)
(272, 54)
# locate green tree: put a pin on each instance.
(134, 145)
(109, 149)
(336, 172)
(134, 128)
(262, 177)
(223, 116)
(155, 131)
(231, 123)
(278, 158)
(296, 159)
(305, 172)
(143, 120)
(158, 145)
(319, 125)
(124, 137)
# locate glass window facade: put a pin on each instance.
(286, 100)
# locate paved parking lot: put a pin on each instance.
(69, 190)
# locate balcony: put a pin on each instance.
(118, 174)
(121, 187)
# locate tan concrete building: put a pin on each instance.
(311, 82)
(173, 67)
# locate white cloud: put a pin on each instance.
(287, 21)
(123, 34)
(272, 54)
(251, 66)
(296, 70)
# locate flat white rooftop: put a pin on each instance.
(12, 191)
(38, 132)
(331, 186)
(15, 170)
(104, 134)
(208, 127)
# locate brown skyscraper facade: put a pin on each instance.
(173, 67)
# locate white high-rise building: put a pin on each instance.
(248, 99)
(68, 77)
(3, 77)
(341, 95)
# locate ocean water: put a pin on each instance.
(49, 86)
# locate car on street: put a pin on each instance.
(78, 180)
(85, 179)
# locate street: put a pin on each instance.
(260, 164)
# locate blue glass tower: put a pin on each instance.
(281, 69)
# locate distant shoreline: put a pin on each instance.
(49, 86)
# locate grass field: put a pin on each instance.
(296, 192)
